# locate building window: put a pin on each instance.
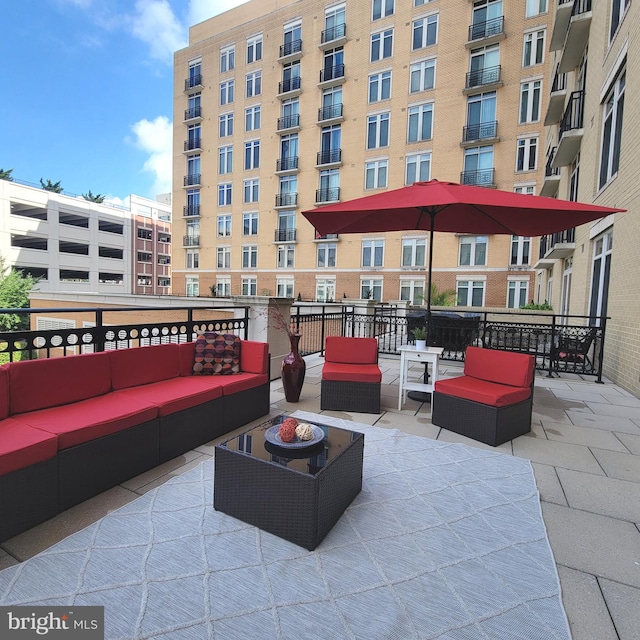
(419, 3)
(520, 250)
(252, 118)
(425, 32)
(227, 59)
(224, 194)
(470, 293)
(325, 290)
(226, 92)
(381, 45)
(249, 286)
(326, 255)
(473, 251)
(289, 152)
(144, 256)
(251, 190)
(195, 73)
(412, 290)
(164, 281)
(284, 288)
(249, 256)
(143, 281)
(574, 179)
(527, 190)
(225, 160)
(193, 169)
(193, 259)
(484, 66)
(378, 131)
(372, 253)
(292, 37)
(371, 290)
(249, 224)
(286, 253)
(193, 232)
(420, 123)
(618, 9)
(478, 166)
(527, 154)
(194, 107)
(612, 130)
(226, 125)
(533, 48)
(223, 257)
(376, 174)
(224, 226)
(254, 49)
(164, 259)
(288, 189)
(382, 9)
(252, 154)
(535, 7)
(418, 168)
(414, 251)
(254, 84)
(329, 185)
(223, 287)
(423, 76)
(481, 116)
(193, 287)
(530, 101)
(517, 293)
(380, 86)
(145, 234)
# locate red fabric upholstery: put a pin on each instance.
(177, 394)
(254, 357)
(143, 365)
(491, 393)
(22, 445)
(351, 350)
(39, 384)
(503, 367)
(4, 392)
(351, 372)
(93, 418)
(187, 352)
(242, 382)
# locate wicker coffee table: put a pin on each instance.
(296, 494)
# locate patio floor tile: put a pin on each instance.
(631, 442)
(548, 484)
(619, 465)
(588, 437)
(624, 605)
(593, 421)
(557, 454)
(613, 410)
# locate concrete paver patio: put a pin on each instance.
(585, 450)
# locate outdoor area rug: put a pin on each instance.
(444, 541)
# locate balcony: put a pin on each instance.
(329, 157)
(551, 176)
(560, 24)
(331, 76)
(195, 113)
(480, 132)
(326, 236)
(328, 195)
(557, 98)
(577, 35)
(191, 210)
(190, 241)
(488, 32)
(334, 36)
(192, 179)
(290, 51)
(286, 200)
(556, 246)
(287, 123)
(571, 131)
(290, 87)
(289, 163)
(478, 178)
(485, 78)
(193, 144)
(285, 235)
(193, 82)
(331, 113)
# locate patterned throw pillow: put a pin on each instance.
(216, 354)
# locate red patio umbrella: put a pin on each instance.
(455, 208)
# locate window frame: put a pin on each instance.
(226, 94)
(372, 254)
(249, 255)
(223, 225)
(380, 137)
(253, 115)
(383, 9)
(251, 155)
(527, 154)
(420, 160)
(249, 224)
(423, 24)
(413, 245)
(420, 111)
(379, 43)
(250, 190)
(254, 46)
(379, 82)
(471, 288)
(420, 70)
(225, 160)
(253, 84)
(379, 170)
(326, 254)
(474, 250)
(611, 134)
(533, 47)
(528, 93)
(227, 58)
(225, 125)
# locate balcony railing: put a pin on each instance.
(286, 200)
(331, 156)
(289, 48)
(193, 81)
(328, 195)
(326, 236)
(191, 179)
(559, 81)
(580, 6)
(479, 177)
(487, 29)
(291, 84)
(191, 210)
(481, 77)
(192, 143)
(194, 112)
(574, 113)
(480, 131)
(289, 122)
(191, 241)
(550, 170)
(285, 235)
(548, 242)
(330, 112)
(287, 164)
(332, 73)
(334, 33)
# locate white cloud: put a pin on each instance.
(155, 24)
(155, 138)
(200, 10)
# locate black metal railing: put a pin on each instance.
(287, 164)
(191, 179)
(481, 77)
(574, 113)
(190, 241)
(548, 242)
(326, 236)
(479, 177)
(328, 195)
(333, 33)
(580, 6)
(191, 210)
(194, 112)
(192, 143)
(330, 156)
(332, 73)
(285, 235)
(193, 81)
(330, 112)
(549, 169)
(286, 199)
(487, 29)
(559, 81)
(480, 131)
(289, 48)
(289, 122)
(290, 84)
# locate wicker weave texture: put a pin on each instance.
(338, 395)
(245, 406)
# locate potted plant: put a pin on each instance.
(420, 336)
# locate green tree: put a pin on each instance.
(14, 294)
(98, 197)
(6, 175)
(56, 187)
(445, 298)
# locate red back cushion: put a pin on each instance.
(351, 350)
(39, 384)
(4, 392)
(505, 367)
(187, 351)
(216, 354)
(143, 365)
(254, 357)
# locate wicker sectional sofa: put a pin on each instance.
(75, 426)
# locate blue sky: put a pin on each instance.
(87, 90)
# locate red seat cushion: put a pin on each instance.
(242, 382)
(504, 367)
(143, 365)
(351, 372)
(22, 445)
(491, 393)
(81, 422)
(343, 350)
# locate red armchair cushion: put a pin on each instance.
(351, 372)
(22, 445)
(351, 350)
(254, 357)
(491, 393)
(143, 365)
(216, 354)
(79, 377)
(504, 367)
(4, 392)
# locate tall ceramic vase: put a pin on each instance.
(293, 370)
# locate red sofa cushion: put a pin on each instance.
(93, 418)
(177, 394)
(351, 350)
(351, 372)
(4, 392)
(143, 365)
(254, 357)
(491, 393)
(504, 367)
(22, 445)
(242, 382)
(186, 355)
(39, 384)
